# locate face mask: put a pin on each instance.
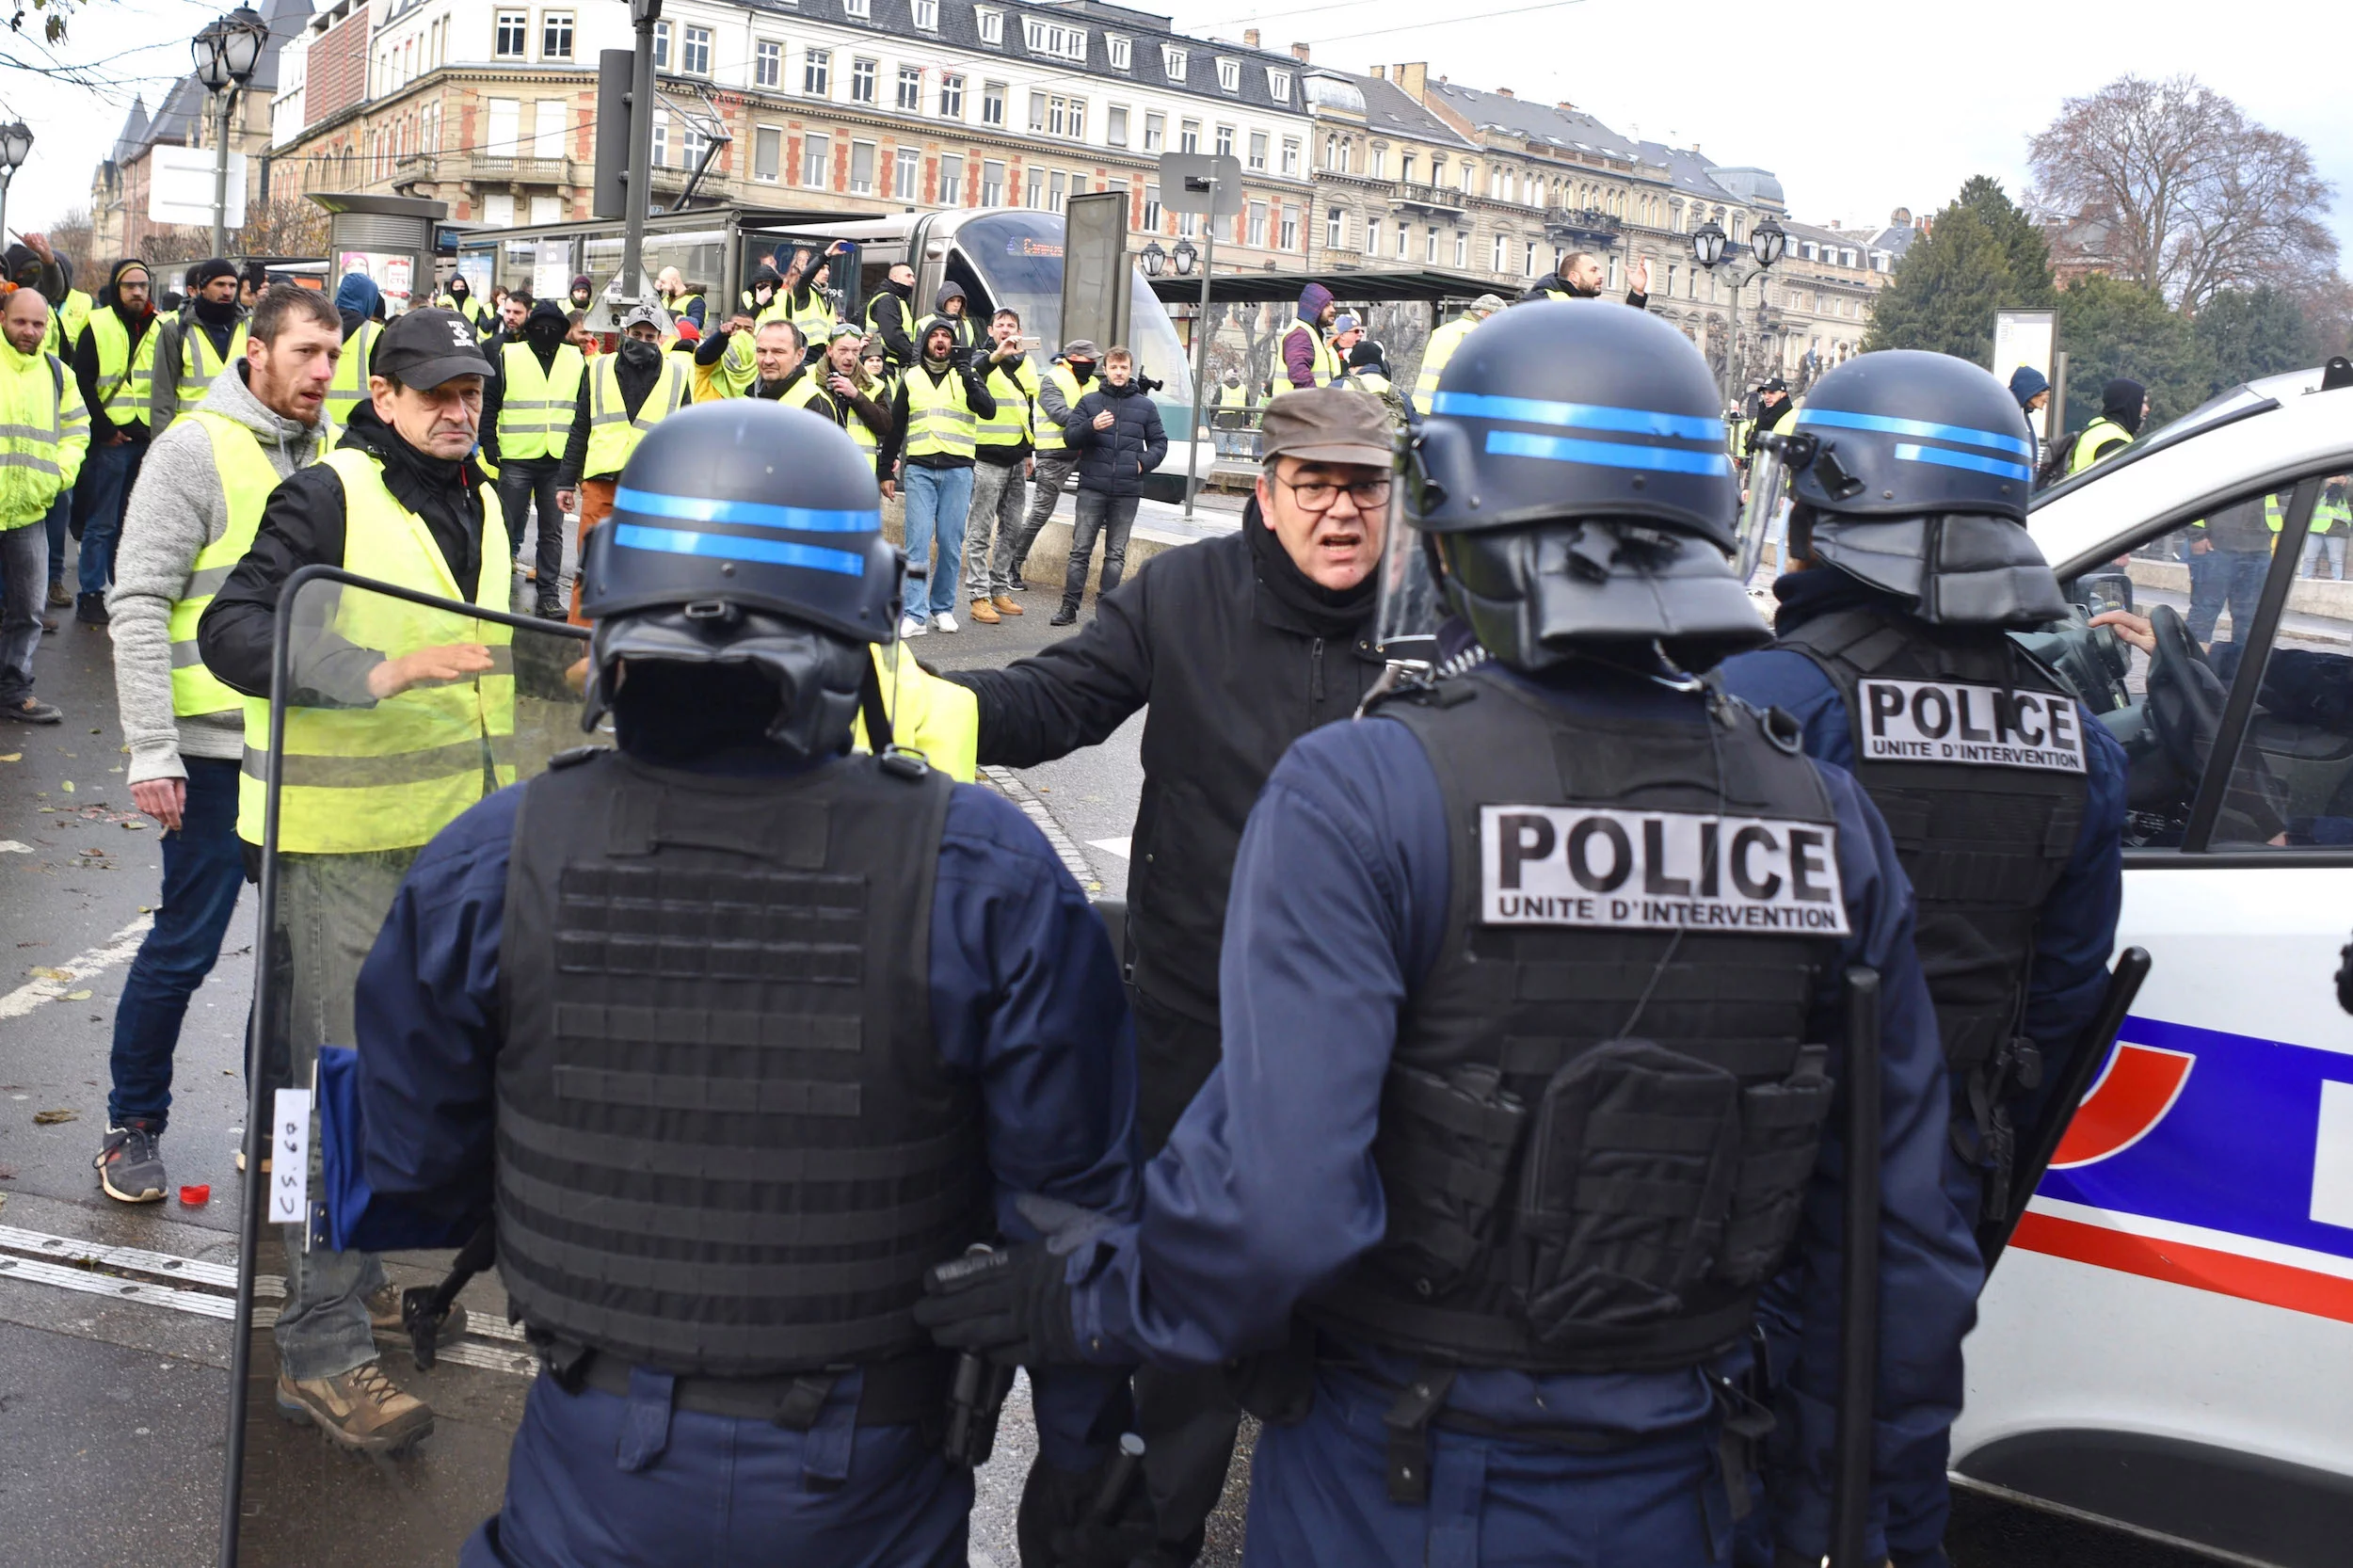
(638, 356)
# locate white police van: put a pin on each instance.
(2168, 1342)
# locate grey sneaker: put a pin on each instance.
(130, 1164)
(384, 1320)
(359, 1410)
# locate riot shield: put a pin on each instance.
(392, 715)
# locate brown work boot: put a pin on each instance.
(1006, 604)
(983, 613)
(385, 1322)
(359, 1410)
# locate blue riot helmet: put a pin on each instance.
(1571, 483)
(1911, 472)
(744, 533)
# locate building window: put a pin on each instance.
(952, 179)
(1189, 225)
(1377, 162)
(513, 38)
(694, 59)
(1225, 141)
(1670, 280)
(1152, 208)
(555, 36)
(992, 31)
(992, 183)
(1038, 189)
(1461, 249)
(1052, 38)
(1289, 238)
(693, 144)
(1172, 62)
(911, 89)
(767, 152)
(859, 9)
(1257, 225)
(1155, 132)
(1120, 51)
(1229, 75)
(927, 15)
(906, 171)
(1057, 191)
(1278, 85)
(499, 210)
(767, 64)
(817, 73)
(1257, 150)
(1189, 136)
(661, 135)
(862, 168)
(1496, 262)
(816, 161)
(862, 74)
(1290, 156)
(993, 103)
(1335, 232)
(547, 139)
(1115, 125)
(1531, 259)
(1037, 113)
(662, 46)
(952, 97)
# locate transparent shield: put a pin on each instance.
(1765, 512)
(396, 716)
(1406, 617)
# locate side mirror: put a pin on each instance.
(2099, 592)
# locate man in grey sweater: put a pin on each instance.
(190, 517)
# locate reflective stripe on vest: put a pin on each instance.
(1049, 435)
(349, 383)
(198, 364)
(813, 321)
(41, 409)
(246, 479)
(1443, 342)
(123, 374)
(393, 775)
(1014, 390)
(2096, 434)
(535, 406)
(940, 416)
(613, 433)
(1326, 363)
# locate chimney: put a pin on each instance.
(1250, 37)
(1501, 93)
(1299, 53)
(1565, 106)
(1380, 72)
(1414, 79)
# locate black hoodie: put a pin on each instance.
(543, 334)
(893, 314)
(138, 324)
(2121, 400)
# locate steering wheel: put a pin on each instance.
(2185, 707)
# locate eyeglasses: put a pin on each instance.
(1318, 495)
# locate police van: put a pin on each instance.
(2167, 1344)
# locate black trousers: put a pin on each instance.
(1188, 1419)
(530, 482)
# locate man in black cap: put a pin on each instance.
(400, 500)
(197, 344)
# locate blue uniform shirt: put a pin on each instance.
(1026, 998)
(1268, 1191)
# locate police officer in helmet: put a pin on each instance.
(1532, 1026)
(755, 1032)
(1908, 474)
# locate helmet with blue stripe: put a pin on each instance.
(1571, 483)
(1911, 472)
(745, 542)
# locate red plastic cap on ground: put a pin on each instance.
(194, 1196)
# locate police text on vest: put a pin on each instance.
(1987, 726)
(1661, 871)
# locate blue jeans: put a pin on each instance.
(937, 500)
(2226, 577)
(56, 522)
(107, 474)
(598, 1478)
(203, 873)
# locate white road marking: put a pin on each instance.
(120, 948)
(10, 846)
(1119, 846)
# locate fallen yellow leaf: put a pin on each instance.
(13, 757)
(77, 996)
(67, 786)
(38, 972)
(51, 1118)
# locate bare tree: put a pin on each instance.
(288, 226)
(2194, 197)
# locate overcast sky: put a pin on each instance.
(1859, 109)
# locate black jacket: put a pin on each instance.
(1237, 655)
(893, 310)
(634, 384)
(546, 347)
(302, 526)
(85, 377)
(1114, 461)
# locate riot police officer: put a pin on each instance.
(1909, 474)
(763, 1030)
(1532, 1025)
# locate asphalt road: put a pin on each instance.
(113, 1364)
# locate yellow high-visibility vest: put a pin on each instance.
(1443, 342)
(198, 364)
(535, 405)
(1327, 363)
(124, 376)
(392, 775)
(246, 479)
(940, 416)
(806, 391)
(44, 433)
(613, 433)
(348, 387)
(937, 717)
(2097, 434)
(66, 322)
(813, 321)
(1049, 435)
(1014, 390)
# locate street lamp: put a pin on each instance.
(1153, 258)
(227, 53)
(16, 145)
(1184, 257)
(1710, 249)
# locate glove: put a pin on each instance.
(1054, 1530)
(1011, 1303)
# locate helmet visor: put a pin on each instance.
(1765, 513)
(1406, 614)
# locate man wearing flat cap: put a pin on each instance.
(1235, 647)
(399, 718)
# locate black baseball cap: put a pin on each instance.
(424, 349)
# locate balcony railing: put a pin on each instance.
(463, 165)
(1590, 223)
(1437, 199)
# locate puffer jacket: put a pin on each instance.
(1114, 461)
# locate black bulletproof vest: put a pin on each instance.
(1560, 1197)
(727, 1145)
(1983, 842)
